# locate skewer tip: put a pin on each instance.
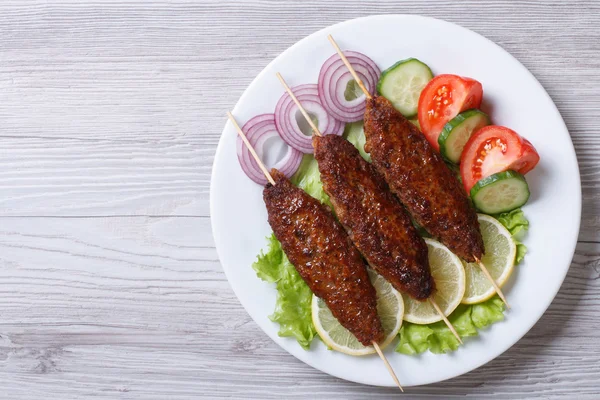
(350, 68)
(240, 132)
(387, 365)
(314, 127)
(280, 77)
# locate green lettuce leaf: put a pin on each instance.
(292, 308)
(268, 265)
(308, 178)
(488, 312)
(438, 339)
(521, 251)
(517, 225)
(414, 339)
(514, 221)
(355, 134)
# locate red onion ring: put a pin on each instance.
(333, 79)
(258, 130)
(287, 125)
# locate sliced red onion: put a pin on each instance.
(334, 78)
(286, 112)
(258, 130)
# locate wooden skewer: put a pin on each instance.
(448, 323)
(270, 178)
(352, 71)
(316, 130)
(256, 157)
(387, 365)
(493, 282)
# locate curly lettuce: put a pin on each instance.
(355, 134)
(437, 338)
(292, 308)
(308, 178)
(517, 225)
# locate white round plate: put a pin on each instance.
(512, 96)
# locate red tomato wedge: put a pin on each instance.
(495, 149)
(442, 99)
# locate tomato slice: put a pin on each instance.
(442, 99)
(495, 149)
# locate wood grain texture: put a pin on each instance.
(110, 113)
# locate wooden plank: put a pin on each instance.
(75, 177)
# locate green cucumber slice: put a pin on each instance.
(457, 132)
(402, 84)
(500, 192)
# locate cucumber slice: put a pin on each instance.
(457, 132)
(402, 84)
(500, 192)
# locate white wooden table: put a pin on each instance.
(109, 118)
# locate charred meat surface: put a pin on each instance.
(319, 248)
(377, 223)
(417, 174)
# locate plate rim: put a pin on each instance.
(578, 194)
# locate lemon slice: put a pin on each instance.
(390, 308)
(499, 259)
(449, 276)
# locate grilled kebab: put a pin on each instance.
(316, 244)
(417, 175)
(374, 219)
